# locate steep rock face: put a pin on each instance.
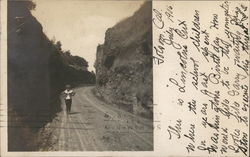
(124, 63)
(37, 73)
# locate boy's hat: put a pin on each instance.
(68, 86)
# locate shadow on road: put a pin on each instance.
(74, 112)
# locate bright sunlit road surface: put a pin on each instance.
(96, 126)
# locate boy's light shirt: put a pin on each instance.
(68, 94)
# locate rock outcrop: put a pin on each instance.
(123, 64)
(37, 72)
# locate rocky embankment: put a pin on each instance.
(123, 65)
(37, 72)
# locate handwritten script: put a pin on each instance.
(201, 55)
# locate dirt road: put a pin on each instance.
(96, 126)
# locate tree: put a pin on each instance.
(68, 53)
(59, 45)
(31, 5)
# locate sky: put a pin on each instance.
(80, 25)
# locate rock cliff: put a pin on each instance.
(123, 64)
(37, 72)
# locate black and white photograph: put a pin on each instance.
(80, 76)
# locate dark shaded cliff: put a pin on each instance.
(37, 72)
(124, 63)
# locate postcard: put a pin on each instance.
(124, 78)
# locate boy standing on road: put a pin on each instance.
(68, 93)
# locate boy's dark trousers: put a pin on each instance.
(68, 103)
